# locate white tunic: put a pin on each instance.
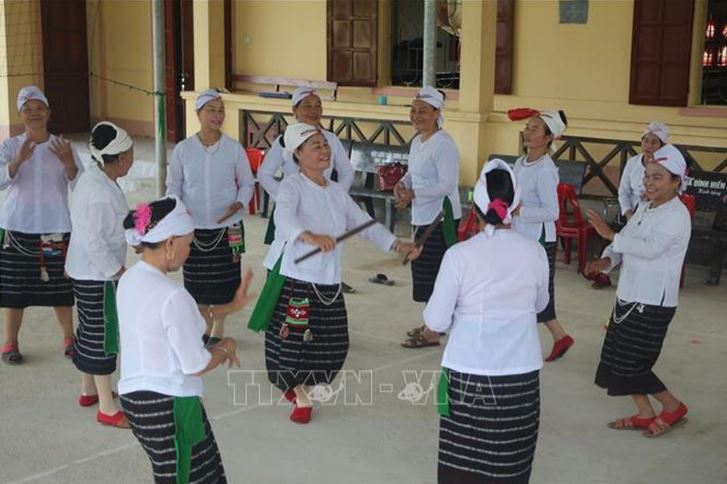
(97, 249)
(651, 249)
(37, 200)
(160, 330)
(538, 197)
(433, 174)
(631, 187)
(277, 159)
(210, 179)
(487, 295)
(303, 205)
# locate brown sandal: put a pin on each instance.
(418, 341)
(415, 331)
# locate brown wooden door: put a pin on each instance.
(65, 64)
(179, 69)
(504, 46)
(661, 46)
(352, 42)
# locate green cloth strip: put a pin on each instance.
(270, 231)
(188, 431)
(450, 230)
(268, 299)
(443, 393)
(2, 237)
(110, 319)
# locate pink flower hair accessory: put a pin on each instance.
(142, 218)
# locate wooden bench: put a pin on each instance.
(277, 82)
(366, 158)
(709, 190)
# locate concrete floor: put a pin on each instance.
(45, 437)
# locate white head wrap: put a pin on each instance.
(435, 99)
(296, 134)
(30, 92)
(205, 97)
(178, 222)
(482, 197)
(302, 93)
(671, 158)
(121, 143)
(660, 130)
(554, 122)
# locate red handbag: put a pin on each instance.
(389, 175)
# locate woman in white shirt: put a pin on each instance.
(162, 353)
(651, 250)
(306, 342)
(487, 294)
(96, 260)
(538, 178)
(631, 185)
(431, 185)
(211, 174)
(307, 108)
(36, 169)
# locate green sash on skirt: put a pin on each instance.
(188, 432)
(442, 393)
(2, 237)
(270, 231)
(450, 230)
(268, 299)
(110, 319)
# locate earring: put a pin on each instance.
(169, 255)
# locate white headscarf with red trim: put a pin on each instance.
(482, 197)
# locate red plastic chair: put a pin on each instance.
(255, 157)
(690, 202)
(469, 226)
(571, 224)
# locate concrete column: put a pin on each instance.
(209, 44)
(477, 71)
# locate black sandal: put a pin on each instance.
(415, 331)
(419, 341)
(381, 279)
(12, 356)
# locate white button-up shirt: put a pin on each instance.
(303, 205)
(160, 331)
(208, 179)
(37, 199)
(487, 295)
(651, 249)
(539, 210)
(631, 187)
(277, 159)
(433, 174)
(97, 249)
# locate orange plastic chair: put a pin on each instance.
(571, 225)
(255, 157)
(690, 202)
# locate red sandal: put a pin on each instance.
(90, 400)
(290, 395)
(632, 423)
(301, 415)
(560, 347)
(117, 420)
(667, 421)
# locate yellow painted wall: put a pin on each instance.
(20, 57)
(120, 48)
(280, 38)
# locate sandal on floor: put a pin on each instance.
(11, 355)
(668, 421)
(68, 347)
(415, 331)
(117, 420)
(90, 400)
(301, 415)
(347, 289)
(419, 341)
(381, 279)
(560, 347)
(632, 423)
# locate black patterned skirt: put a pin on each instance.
(290, 359)
(548, 313)
(492, 429)
(424, 269)
(151, 418)
(89, 355)
(632, 345)
(211, 273)
(26, 279)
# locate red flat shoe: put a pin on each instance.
(560, 347)
(632, 423)
(301, 415)
(667, 421)
(117, 420)
(289, 395)
(68, 347)
(89, 400)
